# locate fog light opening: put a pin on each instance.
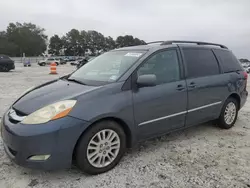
(39, 157)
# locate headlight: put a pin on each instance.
(50, 112)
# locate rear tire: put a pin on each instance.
(101, 147)
(229, 113)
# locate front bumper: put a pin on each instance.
(55, 138)
(10, 66)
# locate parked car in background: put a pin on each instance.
(84, 61)
(120, 98)
(71, 59)
(48, 61)
(6, 64)
(81, 63)
(76, 61)
(247, 67)
(62, 61)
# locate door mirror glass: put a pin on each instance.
(146, 80)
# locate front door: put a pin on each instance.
(160, 108)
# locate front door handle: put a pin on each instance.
(180, 87)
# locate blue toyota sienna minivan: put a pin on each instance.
(121, 97)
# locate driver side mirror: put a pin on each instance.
(146, 80)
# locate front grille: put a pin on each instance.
(16, 116)
(13, 121)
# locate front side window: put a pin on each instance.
(164, 65)
(107, 68)
(200, 62)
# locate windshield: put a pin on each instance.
(4, 57)
(106, 68)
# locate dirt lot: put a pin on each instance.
(202, 156)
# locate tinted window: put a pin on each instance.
(164, 65)
(228, 61)
(50, 59)
(200, 62)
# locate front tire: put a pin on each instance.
(4, 69)
(101, 147)
(229, 113)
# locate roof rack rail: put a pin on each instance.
(155, 42)
(192, 42)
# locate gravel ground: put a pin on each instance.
(201, 156)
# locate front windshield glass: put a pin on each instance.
(107, 68)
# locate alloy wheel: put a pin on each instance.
(103, 148)
(230, 113)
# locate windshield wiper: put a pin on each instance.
(76, 81)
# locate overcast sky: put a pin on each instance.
(220, 21)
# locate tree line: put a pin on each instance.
(77, 43)
(28, 38)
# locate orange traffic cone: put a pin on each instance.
(53, 68)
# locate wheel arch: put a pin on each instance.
(125, 127)
(237, 97)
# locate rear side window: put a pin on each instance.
(200, 62)
(228, 61)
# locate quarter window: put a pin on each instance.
(228, 61)
(164, 65)
(200, 62)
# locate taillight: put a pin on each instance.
(245, 75)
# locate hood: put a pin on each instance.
(6, 61)
(50, 93)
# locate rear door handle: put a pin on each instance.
(192, 85)
(180, 87)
